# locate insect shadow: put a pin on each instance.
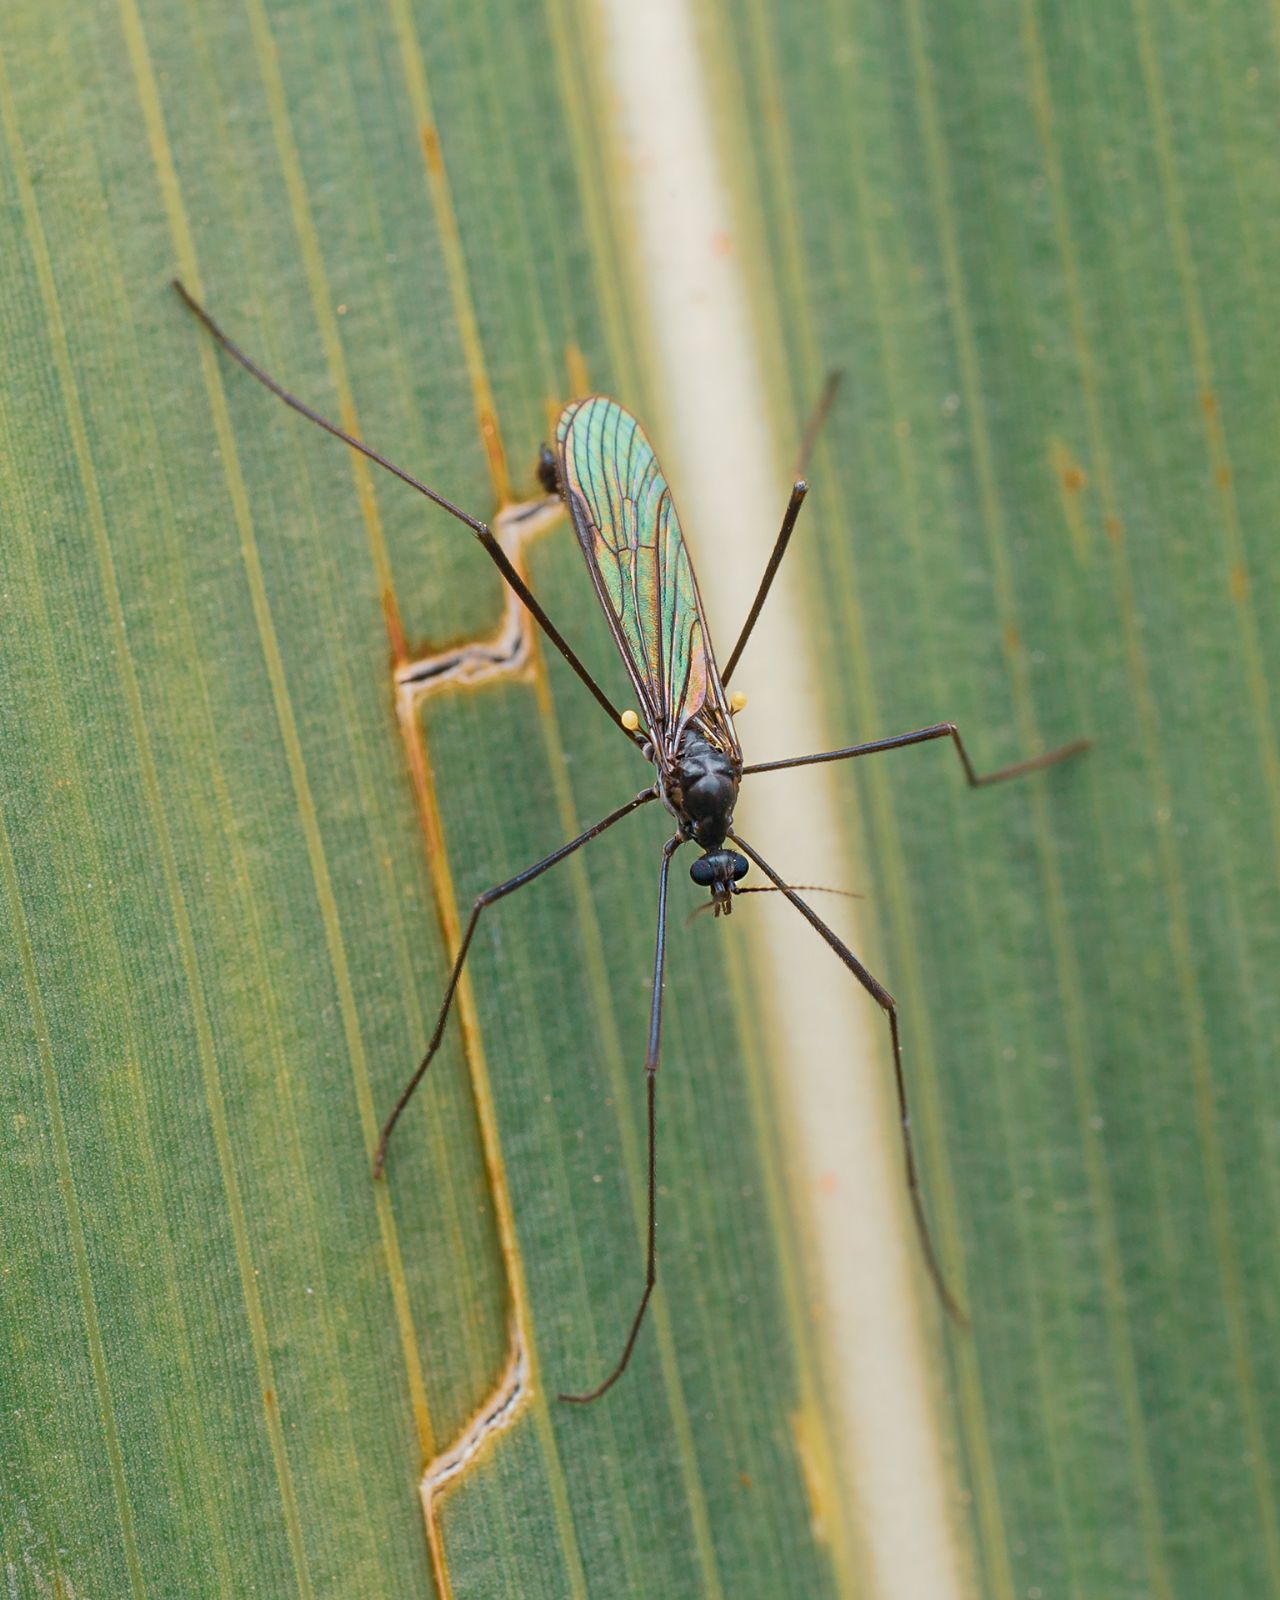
(604, 469)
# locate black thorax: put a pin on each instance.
(702, 789)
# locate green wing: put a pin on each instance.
(630, 534)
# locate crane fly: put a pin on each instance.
(605, 471)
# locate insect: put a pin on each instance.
(605, 471)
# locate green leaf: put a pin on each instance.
(234, 864)
(1036, 240)
(232, 873)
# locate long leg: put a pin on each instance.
(886, 1002)
(798, 492)
(481, 529)
(651, 1079)
(812, 428)
(498, 892)
(817, 417)
(939, 730)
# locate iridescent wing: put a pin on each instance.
(630, 535)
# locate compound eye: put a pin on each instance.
(741, 866)
(703, 872)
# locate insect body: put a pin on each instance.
(605, 470)
(626, 523)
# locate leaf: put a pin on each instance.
(233, 867)
(1036, 241)
(230, 1353)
